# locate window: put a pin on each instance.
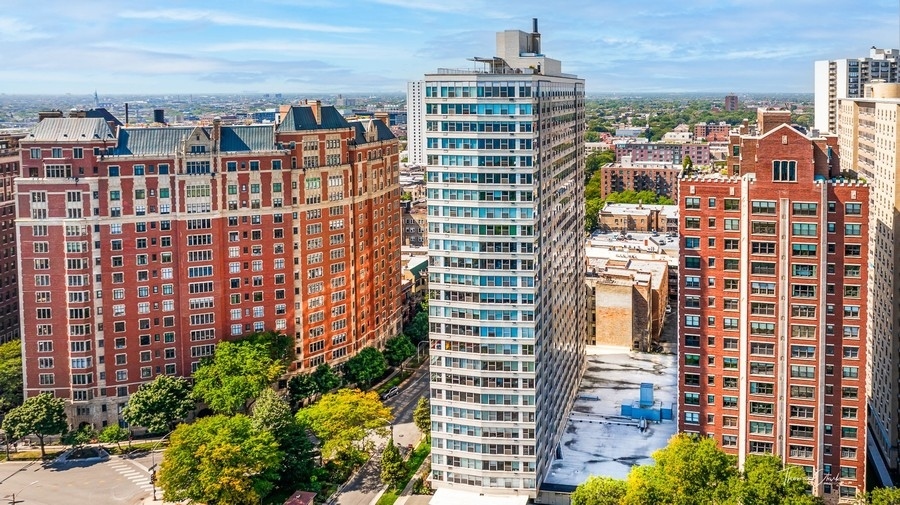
(732, 224)
(853, 209)
(804, 229)
(759, 388)
(784, 171)
(805, 209)
(852, 230)
(692, 202)
(758, 207)
(692, 223)
(762, 227)
(762, 247)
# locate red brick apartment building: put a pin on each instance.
(712, 132)
(142, 248)
(772, 310)
(658, 152)
(661, 179)
(9, 283)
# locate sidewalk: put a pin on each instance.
(406, 496)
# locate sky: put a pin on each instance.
(376, 46)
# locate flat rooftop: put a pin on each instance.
(641, 246)
(598, 440)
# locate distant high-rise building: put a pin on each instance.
(731, 102)
(772, 306)
(415, 124)
(838, 79)
(504, 152)
(867, 131)
(142, 248)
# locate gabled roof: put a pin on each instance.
(163, 141)
(382, 132)
(301, 118)
(247, 138)
(103, 114)
(68, 129)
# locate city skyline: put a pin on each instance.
(319, 46)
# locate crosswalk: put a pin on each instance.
(134, 472)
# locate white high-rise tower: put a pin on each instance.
(504, 146)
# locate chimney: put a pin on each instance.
(216, 132)
(384, 117)
(316, 106)
(44, 114)
(77, 113)
(535, 37)
(159, 116)
(282, 113)
(126, 114)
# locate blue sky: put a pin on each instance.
(334, 46)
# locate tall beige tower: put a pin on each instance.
(868, 131)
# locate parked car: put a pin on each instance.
(394, 391)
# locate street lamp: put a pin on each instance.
(153, 462)
(419, 349)
(13, 501)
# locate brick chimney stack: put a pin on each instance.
(316, 106)
(384, 117)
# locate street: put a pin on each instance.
(366, 484)
(116, 481)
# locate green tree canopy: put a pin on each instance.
(300, 387)
(631, 196)
(113, 434)
(220, 460)
(159, 404)
(41, 415)
(687, 471)
(341, 420)
(417, 329)
(366, 367)
(883, 496)
(393, 468)
(599, 491)
(398, 349)
(695, 471)
(325, 378)
(10, 376)
(422, 417)
(272, 413)
(79, 437)
(766, 480)
(235, 375)
(280, 346)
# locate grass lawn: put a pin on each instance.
(395, 381)
(412, 464)
(31, 455)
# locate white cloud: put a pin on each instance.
(220, 18)
(15, 30)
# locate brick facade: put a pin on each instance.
(144, 248)
(9, 282)
(772, 310)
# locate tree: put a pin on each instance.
(300, 387)
(79, 437)
(236, 374)
(325, 378)
(417, 329)
(10, 376)
(766, 479)
(280, 346)
(159, 404)
(41, 415)
(398, 349)
(599, 491)
(690, 470)
(883, 496)
(272, 413)
(341, 420)
(366, 367)
(219, 460)
(687, 164)
(113, 434)
(393, 468)
(422, 417)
